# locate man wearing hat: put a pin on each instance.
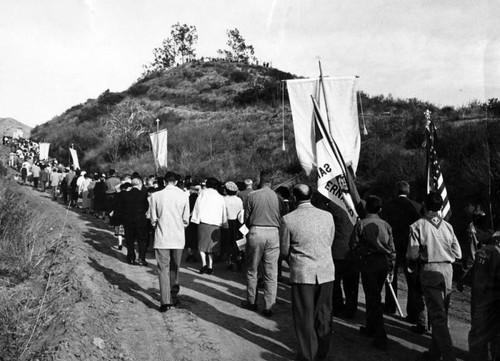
(234, 207)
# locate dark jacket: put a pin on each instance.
(132, 207)
(400, 213)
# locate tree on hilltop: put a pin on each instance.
(239, 50)
(177, 48)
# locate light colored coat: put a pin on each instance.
(169, 212)
(306, 237)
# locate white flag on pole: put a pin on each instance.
(44, 151)
(159, 144)
(74, 156)
(341, 103)
(332, 172)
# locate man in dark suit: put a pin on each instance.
(400, 213)
(306, 237)
(133, 207)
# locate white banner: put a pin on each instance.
(342, 112)
(44, 151)
(331, 171)
(74, 156)
(159, 145)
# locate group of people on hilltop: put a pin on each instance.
(326, 254)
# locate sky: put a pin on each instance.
(58, 53)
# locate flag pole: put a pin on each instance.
(322, 84)
(157, 145)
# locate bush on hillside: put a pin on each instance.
(108, 99)
(91, 113)
(239, 76)
(170, 119)
(138, 89)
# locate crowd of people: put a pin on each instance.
(256, 229)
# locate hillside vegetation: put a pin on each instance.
(9, 125)
(225, 119)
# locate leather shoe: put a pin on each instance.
(203, 269)
(165, 308)
(133, 263)
(249, 306)
(210, 271)
(144, 263)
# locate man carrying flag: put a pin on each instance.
(334, 183)
(331, 170)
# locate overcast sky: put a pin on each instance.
(58, 53)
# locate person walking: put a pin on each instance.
(485, 324)
(372, 242)
(306, 237)
(132, 207)
(210, 214)
(400, 213)
(432, 249)
(263, 219)
(169, 214)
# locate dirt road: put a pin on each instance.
(110, 311)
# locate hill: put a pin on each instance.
(223, 120)
(9, 125)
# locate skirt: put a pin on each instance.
(208, 237)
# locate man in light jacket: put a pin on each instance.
(169, 213)
(306, 238)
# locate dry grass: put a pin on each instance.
(28, 238)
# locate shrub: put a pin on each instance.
(238, 76)
(171, 118)
(138, 89)
(108, 99)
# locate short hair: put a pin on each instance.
(112, 172)
(302, 192)
(136, 181)
(402, 187)
(433, 201)
(125, 185)
(170, 177)
(283, 191)
(373, 204)
(212, 183)
(265, 177)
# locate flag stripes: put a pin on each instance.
(435, 180)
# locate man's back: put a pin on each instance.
(400, 213)
(134, 205)
(169, 210)
(263, 208)
(432, 239)
(310, 232)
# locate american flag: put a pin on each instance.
(435, 180)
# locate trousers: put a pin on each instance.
(169, 262)
(435, 278)
(262, 245)
(347, 278)
(133, 233)
(373, 275)
(312, 317)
